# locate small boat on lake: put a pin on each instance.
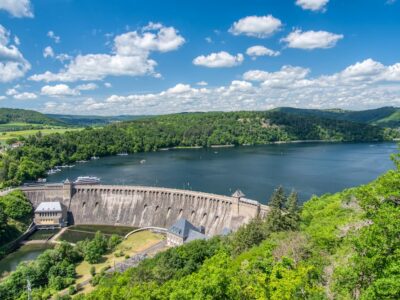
(94, 157)
(87, 180)
(123, 154)
(142, 161)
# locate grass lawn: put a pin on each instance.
(134, 244)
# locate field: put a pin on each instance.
(15, 130)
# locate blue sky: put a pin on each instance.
(152, 57)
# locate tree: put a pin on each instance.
(291, 216)
(248, 236)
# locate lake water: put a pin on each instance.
(24, 253)
(308, 168)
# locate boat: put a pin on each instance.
(87, 180)
(94, 157)
(142, 161)
(123, 154)
(42, 180)
(53, 171)
(81, 161)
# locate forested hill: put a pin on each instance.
(40, 153)
(83, 120)
(11, 115)
(384, 116)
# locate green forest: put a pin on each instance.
(42, 152)
(340, 246)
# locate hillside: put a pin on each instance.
(11, 115)
(340, 246)
(82, 120)
(384, 116)
(40, 153)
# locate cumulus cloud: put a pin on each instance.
(256, 26)
(63, 90)
(59, 90)
(364, 84)
(314, 5)
(48, 52)
(87, 87)
(17, 8)
(130, 56)
(12, 63)
(25, 96)
(53, 36)
(310, 40)
(202, 83)
(256, 51)
(221, 59)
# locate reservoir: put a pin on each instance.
(308, 168)
(24, 253)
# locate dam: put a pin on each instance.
(141, 206)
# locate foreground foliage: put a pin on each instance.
(54, 269)
(40, 153)
(15, 217)
(342, 246)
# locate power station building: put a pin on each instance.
(50, 215)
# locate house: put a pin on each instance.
(183, 231)
(50, 215)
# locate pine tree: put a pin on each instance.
(292, 217)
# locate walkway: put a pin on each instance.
(151, 228)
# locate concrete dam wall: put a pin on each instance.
(141, 206)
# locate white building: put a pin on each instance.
(49, 215)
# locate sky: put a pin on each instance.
(121, 57)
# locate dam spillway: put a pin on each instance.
(141, 206)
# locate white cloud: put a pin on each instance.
(256, 26)
(63, 57)
(314, 5)
(3, 97)
(286, 76)
(11, 92)
(53, 36)
(25, 96)
(87, 87)
(255, 51)
(17, 8)
(12, 63)
(311, 39)
(107, 84)
(219, 60)
(365, 84)
(208, 40)
(130, 56)
(59, 90)
(202, 83)
(48, 52)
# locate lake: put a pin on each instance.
(308, 168)
(24, 253)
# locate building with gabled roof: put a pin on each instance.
(183, 231)
(50, 215)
